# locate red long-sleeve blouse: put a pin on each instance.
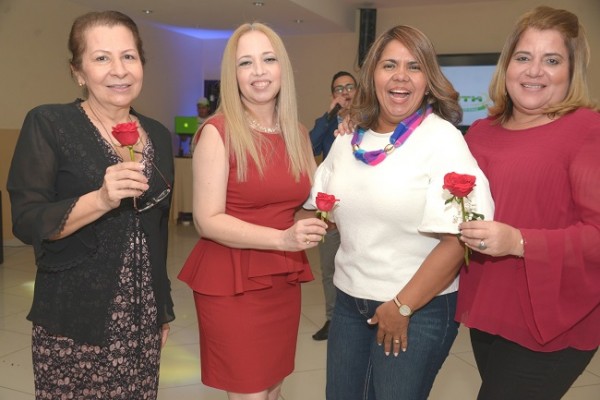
(546, 182)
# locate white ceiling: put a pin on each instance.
(318, 16)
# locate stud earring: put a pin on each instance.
(81, 84)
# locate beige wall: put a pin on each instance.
(34, 68)
(8, 139)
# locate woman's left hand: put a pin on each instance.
(346, 127)
(393, 328)
(165, 334)
(491, 237)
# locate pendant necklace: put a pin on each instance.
(402, 132)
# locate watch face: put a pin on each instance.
(405, 310)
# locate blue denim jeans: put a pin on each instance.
(357, 367)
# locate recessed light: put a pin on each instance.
(258, 3)
(298, 21)
(147, 11)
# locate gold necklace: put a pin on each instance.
(258, 127)
(106, 130)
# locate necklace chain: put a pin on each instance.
(258, 127)
(110, 138)
(104, 127)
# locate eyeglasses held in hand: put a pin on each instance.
(344, 88)
(155, 199)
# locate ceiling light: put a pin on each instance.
(298, 21)
(258, 3)
(147, 11)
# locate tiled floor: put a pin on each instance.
(180, 372)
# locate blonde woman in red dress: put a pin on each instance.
(252, 168)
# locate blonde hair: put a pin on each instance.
(240, 140)
(442, 96)
(573, 34)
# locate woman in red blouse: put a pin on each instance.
(531, 297)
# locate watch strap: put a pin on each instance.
(403, 309)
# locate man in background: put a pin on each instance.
(343, 86)
(203, 110)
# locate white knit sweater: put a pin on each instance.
(389, 214)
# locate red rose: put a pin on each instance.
(126, 133)
(325, 202)
(459, 185)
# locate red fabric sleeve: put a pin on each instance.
(562, 266)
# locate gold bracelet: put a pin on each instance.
(523, 243)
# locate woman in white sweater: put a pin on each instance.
(396, 268)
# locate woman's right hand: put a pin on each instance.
(304, 234)
(493, 238)
(392, 331)
(121, 181)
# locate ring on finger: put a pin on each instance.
(307, 241)
(482, 245)
(397, 341)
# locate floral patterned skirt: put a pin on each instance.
(127, 367)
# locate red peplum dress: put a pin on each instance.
(248, 301)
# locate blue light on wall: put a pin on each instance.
(199, 33)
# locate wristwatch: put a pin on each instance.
(403, 309)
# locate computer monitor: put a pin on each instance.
(186, 125)
(185, 128)
(470, 74)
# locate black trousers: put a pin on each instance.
(512, 372)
